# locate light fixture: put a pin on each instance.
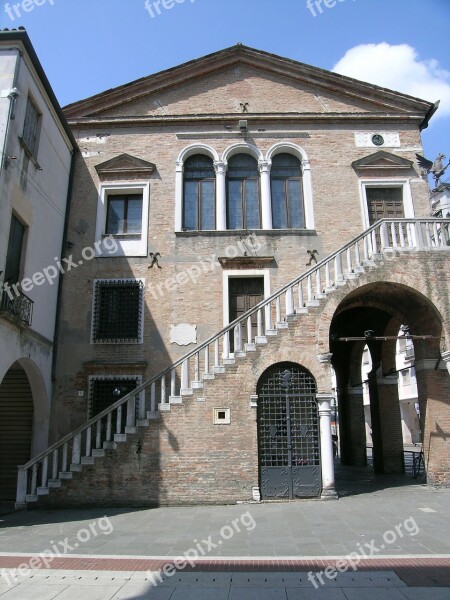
(243, 125)
(117, 391)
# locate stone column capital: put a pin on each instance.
(180, 166)
(264, 166)
(325, 359)
(220, 166)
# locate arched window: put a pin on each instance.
(199, 207)
(243, 210)
(287, 192)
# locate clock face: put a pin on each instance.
(377, 139)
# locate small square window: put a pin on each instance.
(118, 308)
(222, 416)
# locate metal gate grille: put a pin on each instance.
(288, 433)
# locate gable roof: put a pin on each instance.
(383, 100)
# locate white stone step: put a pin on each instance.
(54, 483)
(186, 392)
(175, 400)
(312, 303)
(250, 347)
(129, 429)
(271, 332)
(152, 415)
(31, 498)
(301, 310)
(164, 407)
(282, 325)
(260, 339)
(87, 460)
(120, 437)
(42, 491)
(240, 354)
(197, 385)
(98, 452)
(219, 370)
(76, 468)
(229, 361)
(65, 475)
(142, 422)
(109, 445)
(208, 376)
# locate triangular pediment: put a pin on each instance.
(124, 164)
(241, 79)
(382, 160)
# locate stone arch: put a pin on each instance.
(242, 148)
(197, 148)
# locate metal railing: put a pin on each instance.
(186, 374)
(18, 305)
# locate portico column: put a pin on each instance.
(266, 205)
(326, 446)
(221, 195)
(446, 359)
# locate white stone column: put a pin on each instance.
(266, 203)
(221, 195)
(307, 195)
(326, 446)
(179, 196)
(446, 359)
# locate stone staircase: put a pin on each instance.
(201, 369)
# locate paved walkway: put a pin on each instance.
(385, 537)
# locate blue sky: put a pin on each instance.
(88, 46)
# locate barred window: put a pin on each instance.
(31, 127)
(104, 391)
(118, 306)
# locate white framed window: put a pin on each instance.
(123, 212)
(229, 307)
(118, 311)
(253, 201)
(379, 192)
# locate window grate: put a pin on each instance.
(118, 311)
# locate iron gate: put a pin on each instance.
(288, 434)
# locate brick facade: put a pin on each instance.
(182, 457)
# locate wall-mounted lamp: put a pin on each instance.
(243, 125)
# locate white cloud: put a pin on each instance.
(398, 68)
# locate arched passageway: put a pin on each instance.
(372, 315)
(16, 428)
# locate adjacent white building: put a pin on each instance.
(36, 148)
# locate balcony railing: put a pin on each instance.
(18, 305)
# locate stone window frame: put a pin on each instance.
(228, 274)
(264, 165)
(403, 183)
(127, 245)
(141, 317)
